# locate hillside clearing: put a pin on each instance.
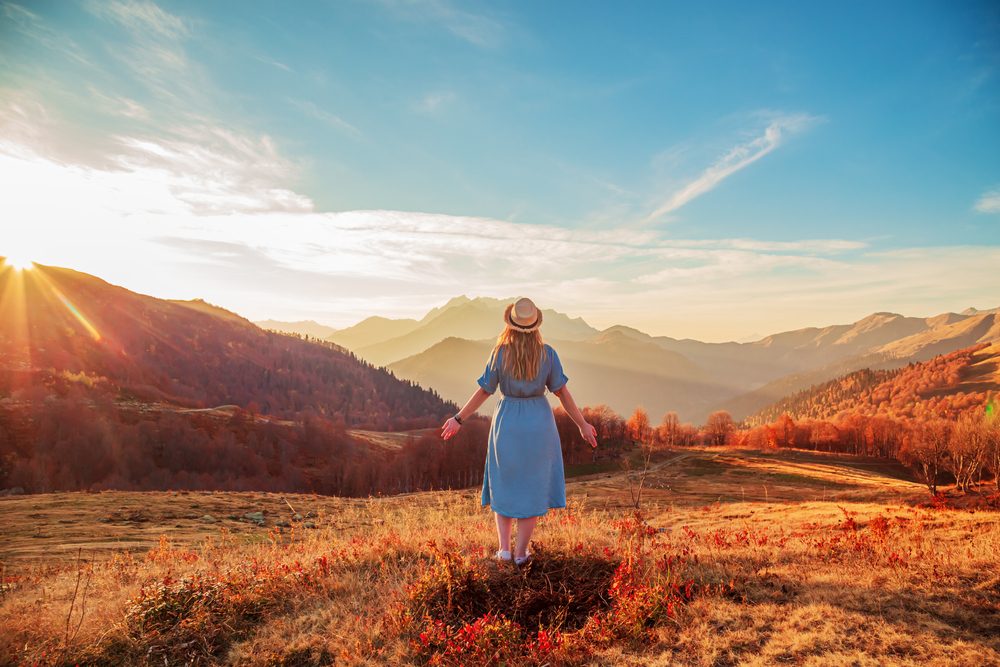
(864, 577)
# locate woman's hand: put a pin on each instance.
(450, 428)
(589, 434)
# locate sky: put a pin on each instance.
(697, 170)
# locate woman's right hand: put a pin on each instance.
(589, 434)
(450, 428)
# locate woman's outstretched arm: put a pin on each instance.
(451, 426)
(588, 432)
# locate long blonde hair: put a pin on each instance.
(523, 353)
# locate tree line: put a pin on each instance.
(74, 443)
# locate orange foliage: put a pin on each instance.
(925, 390)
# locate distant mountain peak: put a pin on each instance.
(457, 301)
(876, 317)
(611, 336)
(973, 311)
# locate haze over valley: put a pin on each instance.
(622, 367)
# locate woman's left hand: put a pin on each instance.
(450, 428)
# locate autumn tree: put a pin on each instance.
(688, 435)
(991, 424)
(638, 425)
(759, 437)
(853, 433)
(719, 428)
(969, 446)
(823, 436)
(926, 452)
(784, 431)
(610, 427)
(666, 432)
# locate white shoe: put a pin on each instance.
(525, 560)
(502, 556)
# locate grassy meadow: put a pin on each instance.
(735, 558)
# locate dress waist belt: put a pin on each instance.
(527, 398)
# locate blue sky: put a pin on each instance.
(697, 170)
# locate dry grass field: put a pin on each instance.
(738, 558)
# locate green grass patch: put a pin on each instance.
(592, 468)
(702, 467)
(701, 472)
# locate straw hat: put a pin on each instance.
(523, 316)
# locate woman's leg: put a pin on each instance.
(504, 525)
(524, 528)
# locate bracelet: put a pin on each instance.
(456, 418)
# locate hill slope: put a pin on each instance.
(944, 386)
(191, 354)
(948, 333)
(104, 388)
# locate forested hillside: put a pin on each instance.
(925, 390)
(938, 417)
(98, 387)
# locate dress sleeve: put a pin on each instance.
(491, 376)
(556, 379)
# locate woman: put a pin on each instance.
(524, 472)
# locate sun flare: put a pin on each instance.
(18, 262)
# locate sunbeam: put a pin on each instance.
(46, 283)
(18, 262)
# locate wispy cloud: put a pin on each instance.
(739, 157)
(214, 171)
(31, 25)
(153, 49)
(334, 121)
(275, 63)
(812, 246)
(989, 202)
(120, 106)
(23, 121)
(140, 18)
(475, 28)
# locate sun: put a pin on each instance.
(18, 262)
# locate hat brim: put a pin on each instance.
(509, 321)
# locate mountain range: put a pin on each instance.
(624, 367)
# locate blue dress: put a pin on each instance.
(524, 469)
